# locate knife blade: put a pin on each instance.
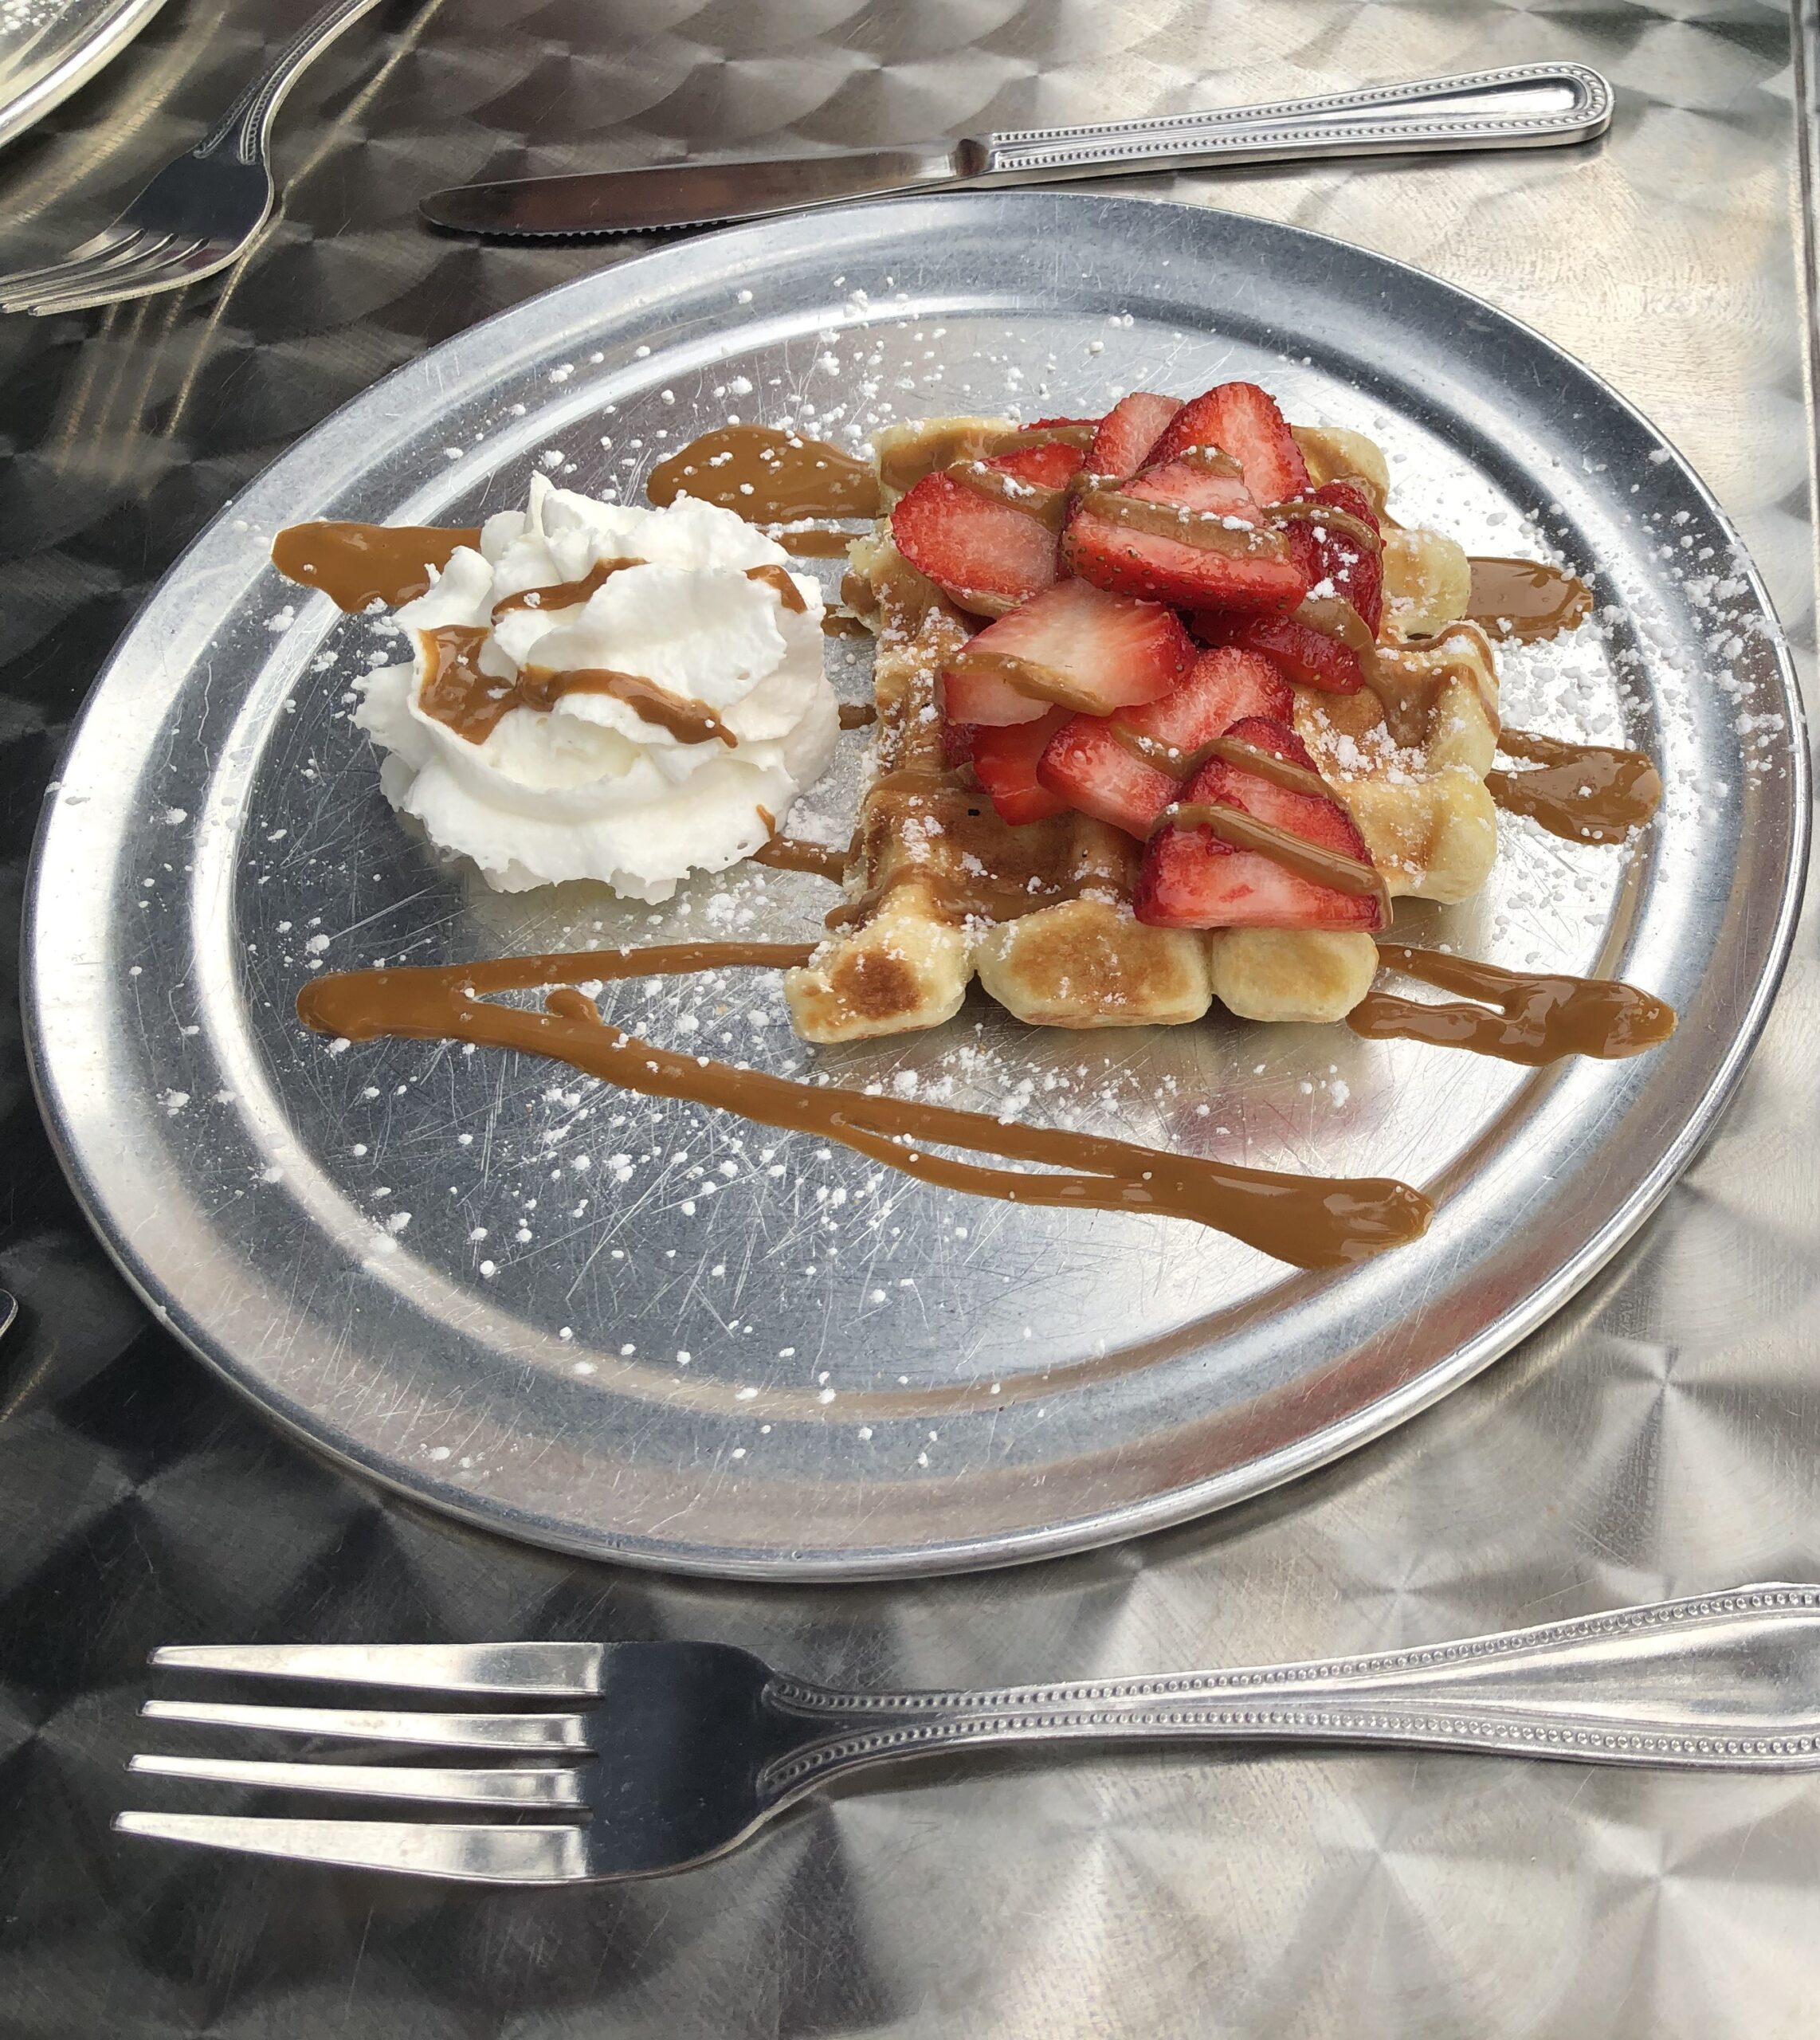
(1519, 106)
(688, 193)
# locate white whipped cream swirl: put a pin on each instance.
(589, 789)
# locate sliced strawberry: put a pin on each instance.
(1050, 424)
(1308, 656)
(1004, 764)
(1241, 420)
(1356, 571)
(1052, 465)
(986, 555)
(1095, 773)
(1144, 559)
(1192, 484)
(1072, 644)
(957, 745)
(983, 697)
(1126, 433)
(1192, 879)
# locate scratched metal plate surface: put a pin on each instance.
(646, 1330)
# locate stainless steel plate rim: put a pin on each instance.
(640, 289)
(94, 45)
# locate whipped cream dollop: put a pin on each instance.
(588, 788)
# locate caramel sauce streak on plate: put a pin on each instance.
(1521, 1016)
(767, 476)
(1525, 599)
(858, 715)
(1312, 1222)
(356, 564)
(796, 853)
(1586, 793)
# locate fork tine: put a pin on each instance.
(18, 292)
(472, 1731)
(164, 268)
(527, 1668)
(110, 240)
(532, 1788)
(475, 1855)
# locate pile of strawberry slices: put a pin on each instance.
(1171, 586)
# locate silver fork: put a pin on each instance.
(198, 214)
(697, 1744)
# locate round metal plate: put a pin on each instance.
(650, 1332)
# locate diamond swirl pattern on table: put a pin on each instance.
(1659, 1437)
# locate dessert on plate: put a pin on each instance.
(1171, 710)
(605, 692)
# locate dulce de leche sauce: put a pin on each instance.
(1518, 1016)
(1311, 1222)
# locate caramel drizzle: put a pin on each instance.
(1537, 1019)
(1525, 599)
(457, 693)
(1204, 530)
(767, 476)
(1331, 516)
(1310, 1221)
(777, 578)
(355, 565)
(798, 854)
(857, 715)
(1586, 793)
(1047, 507)
(566, 595)
(1183, 764)
(1319, 866)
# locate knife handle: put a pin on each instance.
(1522, 106)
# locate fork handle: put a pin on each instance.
(246, 127)
(1718, 1681)
(1523, 105)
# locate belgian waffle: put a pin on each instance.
(940, 890)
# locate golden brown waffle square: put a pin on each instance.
(940, 890)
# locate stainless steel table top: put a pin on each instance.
(1661, 1437)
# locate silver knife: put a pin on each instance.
(1523, 106)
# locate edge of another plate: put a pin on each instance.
(24, 108)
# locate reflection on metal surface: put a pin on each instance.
(49, 48)
(1168, 1380)
(697, 1744)
(1661, 1434)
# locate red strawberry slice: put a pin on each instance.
(985, 555)
(1326, 553)
(1096, 774)
(983, 698)
(1050, 424)
(1192, 484)
(1072, 644)
(1114, 545)
(1126, 433)
(1355, 570)
(1004, 764)
(1192, 879)
(957, 745)
(1308, 656)
(1243, 420)
(1053, 464)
